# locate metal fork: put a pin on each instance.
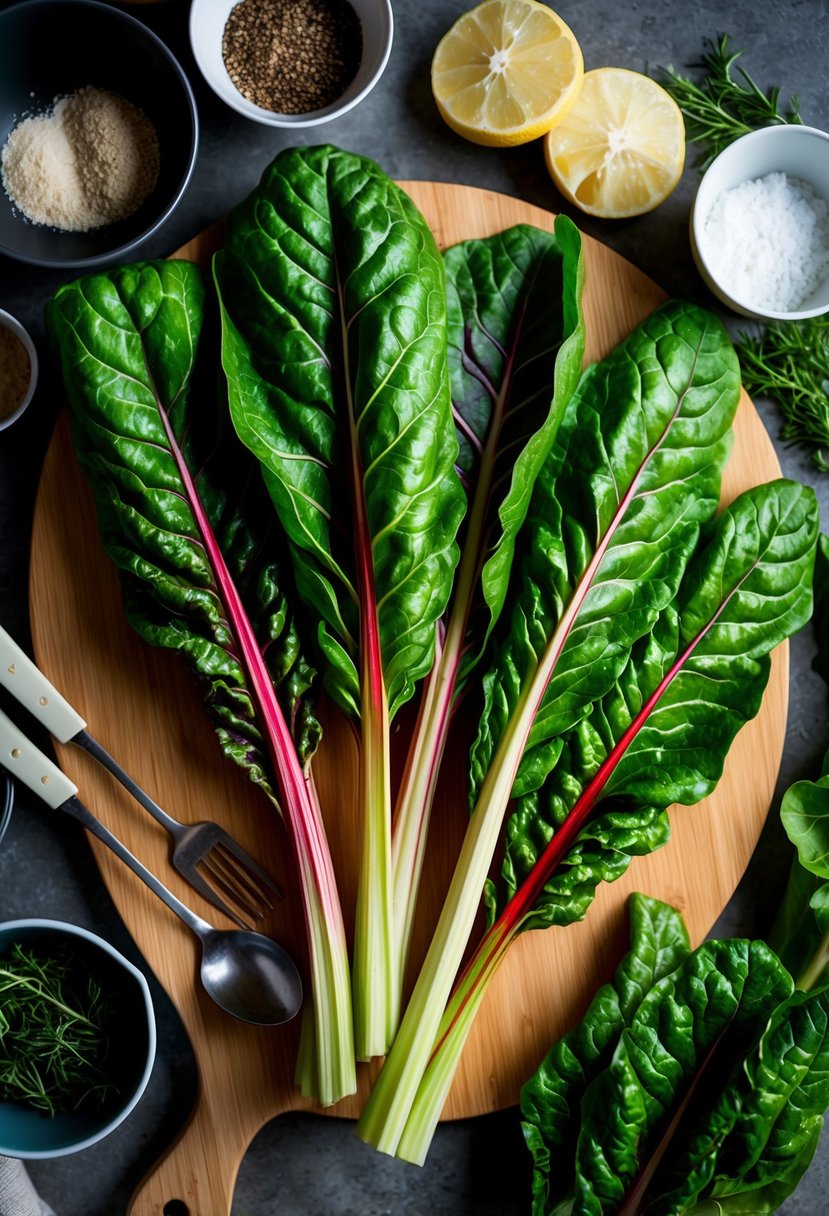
(204, 853)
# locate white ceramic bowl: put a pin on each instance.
(7, 321)
(801, 153)
(207, 22)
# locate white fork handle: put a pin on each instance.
(27, 684)
(28, 763)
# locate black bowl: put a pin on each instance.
(51, 48)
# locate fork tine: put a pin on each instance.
(249, 863)
(234, 881)
(240, 876)
(219, 880)
(199, 883)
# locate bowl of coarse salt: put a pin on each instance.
(760, 224)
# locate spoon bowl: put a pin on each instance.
(250, 976)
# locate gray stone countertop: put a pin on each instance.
(303, 1164)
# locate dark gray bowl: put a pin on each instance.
(49, 48)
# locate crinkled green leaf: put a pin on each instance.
(689, 1027)
(614, 517)
(516, 343)
(748, 589)
(334, 343)
(662, 733)
(551, 1098)
(761, 1129)
(146, 422)
(804, 813)
(180, 512)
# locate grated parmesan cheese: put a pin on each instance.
(769, 241)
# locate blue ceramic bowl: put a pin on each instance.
(131, 1032)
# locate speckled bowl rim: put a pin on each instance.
(6, 803)
(8, 321)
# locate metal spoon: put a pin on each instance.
(247, 974)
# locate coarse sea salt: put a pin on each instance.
(769, 241)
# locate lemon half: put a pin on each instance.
(620, 150)
(506, 72)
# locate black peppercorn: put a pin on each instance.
(292, 56)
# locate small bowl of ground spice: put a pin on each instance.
(291, 63)
(98, 133)
(18, 369)
(760, 224)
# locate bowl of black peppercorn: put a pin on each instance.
(291, 63)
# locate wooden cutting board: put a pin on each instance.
(143, 706)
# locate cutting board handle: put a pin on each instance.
(197, 1175)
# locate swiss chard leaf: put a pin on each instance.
(150, 433)
(707, 1097)
(516, 343)
(689, 1026)
(551, 1099)
(179, 515)
(663, 732)
(614, 517)
(334, 344)
(335, 347)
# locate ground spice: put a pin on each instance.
(15, 372)
(292, 56)
(90, 160)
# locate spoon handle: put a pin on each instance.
(26, 762)
(74, 807)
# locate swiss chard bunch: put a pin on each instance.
(636, 646)
(695, 1084)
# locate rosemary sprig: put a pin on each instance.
(789, 362)
(52, 1037)
(718, 109)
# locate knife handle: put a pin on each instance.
(28, 685)
(26, 762)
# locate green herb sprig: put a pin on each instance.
(789, 362)
(719, 108)
(52, 1037)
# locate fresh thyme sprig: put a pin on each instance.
(718, 109)
(789, 362)
(52, 1036)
